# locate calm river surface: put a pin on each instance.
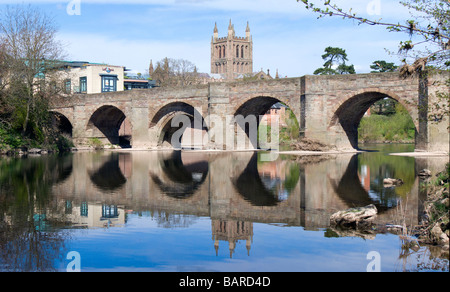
(206, 211)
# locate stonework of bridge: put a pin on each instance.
(328, 108)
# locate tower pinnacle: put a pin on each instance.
(231, 30)
(216, 32)
(247, 31)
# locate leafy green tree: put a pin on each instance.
(30, 53)
(325, 71)
(385, 106)
(382, 66)
(335, 58)
(345, 69)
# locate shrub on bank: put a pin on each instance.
(436, 225)
(9, 140)
(12, 141)
(398, 127)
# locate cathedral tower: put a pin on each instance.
(231, 56)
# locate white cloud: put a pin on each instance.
(135, 55)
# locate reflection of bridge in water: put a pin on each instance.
(225, 186)
(234, 189)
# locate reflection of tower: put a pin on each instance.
(232, 231)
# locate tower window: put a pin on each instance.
(242, 51)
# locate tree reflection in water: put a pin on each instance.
(28, 240)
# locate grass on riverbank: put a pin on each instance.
(379, 128)
(397, 127)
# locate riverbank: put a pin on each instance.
(421, 154)
(26, 151)
(435, 226)
(43, 151)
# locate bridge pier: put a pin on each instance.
(432, 107)
(140, 133)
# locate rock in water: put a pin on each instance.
(389, 182)
(361, 217)
(425, 173)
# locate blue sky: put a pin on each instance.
(142, 245)
(286, 36)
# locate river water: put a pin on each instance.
(208, 211)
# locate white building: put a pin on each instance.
(87, 78)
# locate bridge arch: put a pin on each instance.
(187, 118)
(105, 123)
(259, 106)
(347, 114)
(61, 123)
(256, 105)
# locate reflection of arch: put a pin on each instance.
(61, 123)
(350, 190)
(163, 118)
(107, 119)
(350, 112)
(61, 167)
(250, 185)
(184, 180)
(109, 176)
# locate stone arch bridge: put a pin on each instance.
(328, 109)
